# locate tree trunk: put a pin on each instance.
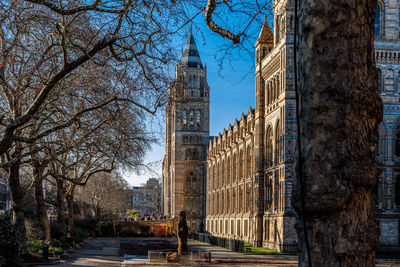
(70, 203)
(17, 197)
(339, 112)
(60, 203)
(39, 198)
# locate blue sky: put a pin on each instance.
(232, 89)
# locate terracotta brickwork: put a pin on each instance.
(187, 136)
(251, 200)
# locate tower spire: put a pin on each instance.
(191, 57)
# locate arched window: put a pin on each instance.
(269, 148)
(191, 183)
(377, 28)
(397, 141)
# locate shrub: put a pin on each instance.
(88, 226)
(55, 242)
(79, 235)
(106, 229)
(33, 231)
(57, 231)
(10, 246)
(35, 245)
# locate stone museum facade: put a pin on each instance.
(249, 165)
(248, 183)
(187, 137)
(387, 55)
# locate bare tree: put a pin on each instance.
(44, 47)
(106, 193)
(149, 195)
(42, 43)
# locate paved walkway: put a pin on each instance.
(96, 252)
(221, 256)
(105, 252)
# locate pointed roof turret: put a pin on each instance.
(190, 57)
(266, 36)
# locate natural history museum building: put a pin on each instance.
(238, 184)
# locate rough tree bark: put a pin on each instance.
(70, 203)
(60, 203)
(39, 198)
(17, 197)
(339, 112)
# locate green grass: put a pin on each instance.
(249, 249)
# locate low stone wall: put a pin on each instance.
(171, 256)
(157, 228)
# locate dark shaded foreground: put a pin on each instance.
(106, 252)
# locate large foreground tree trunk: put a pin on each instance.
(40, 205)
(340, 110)
(17, 198)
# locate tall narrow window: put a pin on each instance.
(198, 115)
(184, 117)
(377, 28)
(398, 82)
(248, 164)
(191, 117)
(397, 191)
(380, 86)
(269, 148)
(192, 81)
(191, 183)
(397, 143)
(277, 142)
(277, 29)
(376, 192)
(241, 159)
